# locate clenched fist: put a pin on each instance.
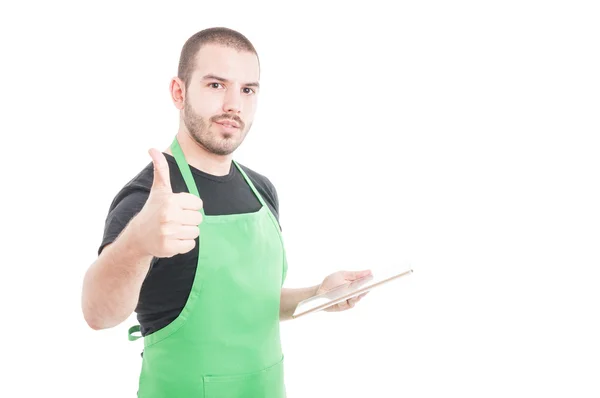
(168, 223)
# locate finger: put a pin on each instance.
(183, 246)
(356, 299)
(352, 302)
(353, 275)
(186, 232)
(188, 201)
(189, 217)
(162, 179)
(342, 306)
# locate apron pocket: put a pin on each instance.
(267, 383)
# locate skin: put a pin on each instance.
(224, 85)
(223, 89)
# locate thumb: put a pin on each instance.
(162, 179)
(352, 275)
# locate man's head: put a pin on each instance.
(216, 88)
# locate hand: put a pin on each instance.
(168, 223)
(340, 278)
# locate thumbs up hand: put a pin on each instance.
(168, 223)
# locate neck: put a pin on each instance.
(197, 156)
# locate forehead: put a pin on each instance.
(226, 62)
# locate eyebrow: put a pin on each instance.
(222, 79)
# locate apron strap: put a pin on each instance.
(271, 215)
(133, 330)
(191, 185)
(249, 182)
(185, 169)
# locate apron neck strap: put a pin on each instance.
(184, 168)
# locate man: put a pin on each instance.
(193, 243)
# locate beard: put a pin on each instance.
(218, 143)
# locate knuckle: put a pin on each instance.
(187, 246)
(164, 215)
(164, 231)
(172, 201)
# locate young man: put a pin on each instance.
(193, 245)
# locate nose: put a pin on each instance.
(232, 102)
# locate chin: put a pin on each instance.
(227, 146)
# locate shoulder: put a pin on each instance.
(265, 188)
(262, 182)
(128, 201)
(138, 186)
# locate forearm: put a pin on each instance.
(290, 299)
(112, 284)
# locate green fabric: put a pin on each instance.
(226, 341)
(132, 330)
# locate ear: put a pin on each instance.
(177, 89)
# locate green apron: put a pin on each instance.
(226, 342)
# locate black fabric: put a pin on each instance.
(169, 281)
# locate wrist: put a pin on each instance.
(317, 289)
(134, 239)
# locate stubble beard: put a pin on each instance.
(215, 143)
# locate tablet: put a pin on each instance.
(348, 290)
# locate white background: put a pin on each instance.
(461, 137)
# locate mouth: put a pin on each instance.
(229, 124)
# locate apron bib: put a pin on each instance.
(226, 341)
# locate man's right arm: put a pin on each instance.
(167, 225)
(112, 284)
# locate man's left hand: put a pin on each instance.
(340, 278)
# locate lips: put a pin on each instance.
(229, 123)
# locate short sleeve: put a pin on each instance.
(122, 211)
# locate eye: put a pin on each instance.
(215, 85)
(248, 90)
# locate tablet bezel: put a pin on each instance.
(343, 295)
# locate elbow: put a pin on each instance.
(96, 320)
(97, 323)
(90, 316)
(93, 321)
(93, 317)
(94, 326)
(93, 312)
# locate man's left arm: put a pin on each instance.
(290, 298)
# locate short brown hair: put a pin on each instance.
(223, 36)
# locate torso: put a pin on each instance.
(167, 285)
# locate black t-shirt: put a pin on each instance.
(168, 283)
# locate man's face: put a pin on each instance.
(221, 98)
